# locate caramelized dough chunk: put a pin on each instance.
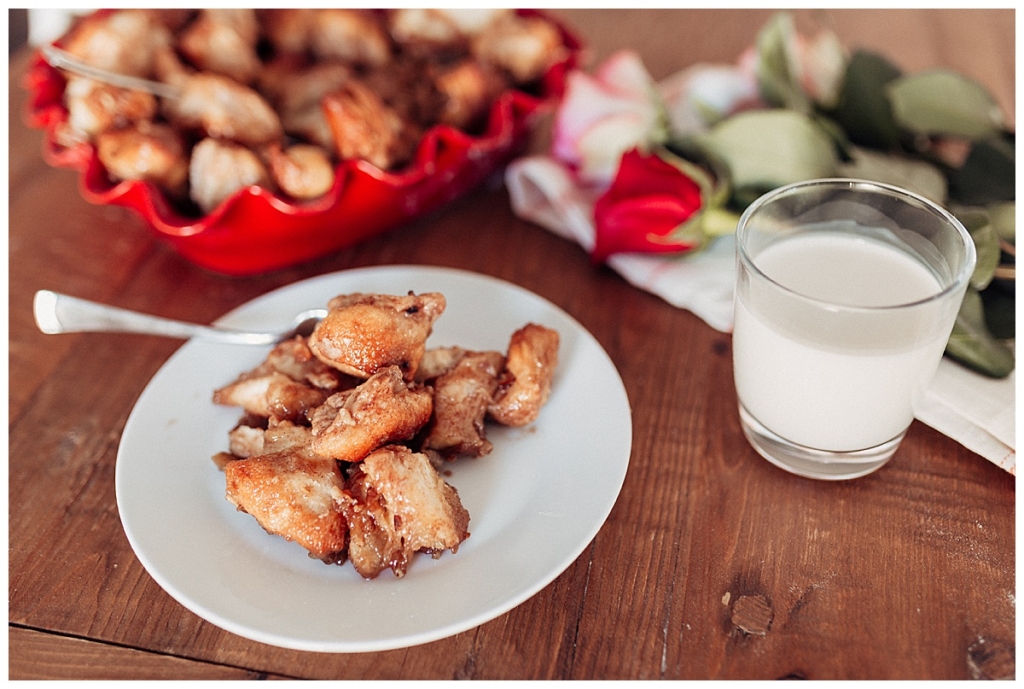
(396, 504)
(223, 41)
(529, 370)
(461, 398)
(148, 151)
(95, 107)
(363, 333)
(123, 41)
(364, 127)
(468, 88)
(286, 385)
(438, 361)
(302, 171)
(526, 47)
(350, 35)
(351, 424)
(224, 109)
(292, 493)
(273, 395)
(219, 168)
(295, 359)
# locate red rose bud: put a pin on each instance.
(646, 203)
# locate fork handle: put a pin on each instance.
(60, 313)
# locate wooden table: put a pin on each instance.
(712, 564)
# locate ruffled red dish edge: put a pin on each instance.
(256, 230)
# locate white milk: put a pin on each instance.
(829, 380)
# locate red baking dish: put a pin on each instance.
(255, 231)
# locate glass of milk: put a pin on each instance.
(846, 293)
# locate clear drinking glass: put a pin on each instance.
(846, 293)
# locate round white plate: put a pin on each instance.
(535, 502)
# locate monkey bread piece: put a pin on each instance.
(219, 168)
(286, 385)
(438, 361)
(349, 35)
(351, 424)
(295, 359)
(469, 88)
(302, 171)
(252, 441)
(396, 504)
(286, 30)
(526, 47)
(147, 151)
(363, 333)
(364, 127)
(95, 107)
(461, 398)
(123, 41)
(273, 395)
(222, 108)
(223, 41)
(292, 493)
(526, 381)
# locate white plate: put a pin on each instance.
(535, 502)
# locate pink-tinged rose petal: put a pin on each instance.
(624, 71)
(823, 65)
(602, 115)
(601, 146)
(586, 102)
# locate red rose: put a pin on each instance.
(649, 200)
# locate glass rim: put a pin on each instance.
(958, 282)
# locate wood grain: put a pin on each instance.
(713, 564)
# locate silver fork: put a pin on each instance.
(60, 313)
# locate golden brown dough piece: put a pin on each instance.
(295, 359)
(123, 41)
(351, 424)
(288, 384)
(526, 47)
(95, 107)
(363, 333)
(292, 493)
(224, 109)
(349, 35)
(223, 41)
(302, 171)
(273, 395)
(147, 151)
(529, 370)
(461, 398)
(217, 169)
(469, 88)
(364, 127)
(438, 361)
(396, 505)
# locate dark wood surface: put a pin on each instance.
(712, 564)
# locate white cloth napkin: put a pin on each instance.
(976, 411)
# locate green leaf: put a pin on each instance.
(912, 174)
(863, 108)
(764, 149)
(1000, 310)
(973, 345)
(944, 102)
(775, 71)
(1004, 220)
(988, 175)
(986, 243)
